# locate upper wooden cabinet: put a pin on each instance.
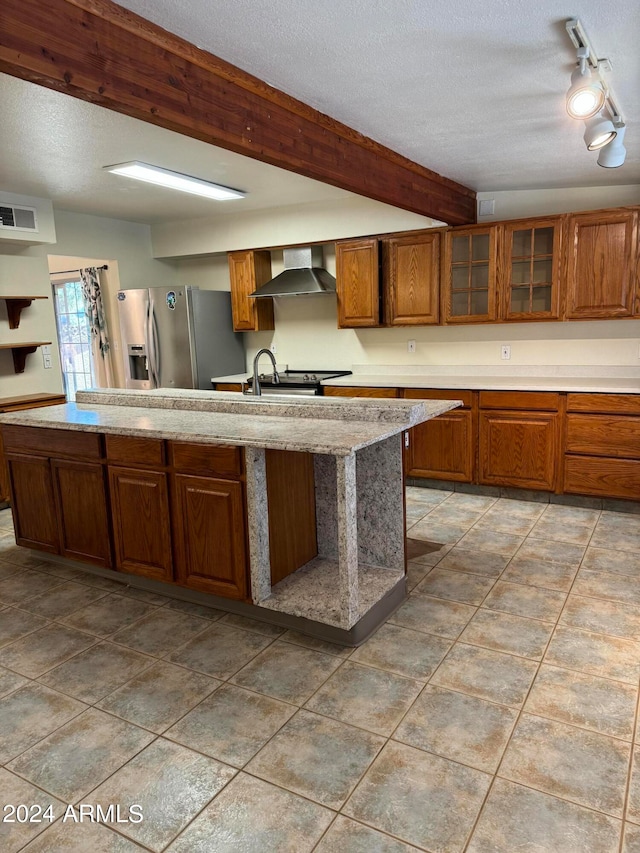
(529, 269)
(469, 280)
(411, 270)
(358, 283)
(247, 271)
(602, 264)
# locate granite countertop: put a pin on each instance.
(285, 429)
(604, 380)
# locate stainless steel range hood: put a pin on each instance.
(303, 274)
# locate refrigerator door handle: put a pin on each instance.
(149, 346)
(157, 355)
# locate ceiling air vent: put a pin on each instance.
(15, 218)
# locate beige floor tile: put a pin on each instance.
(81, 838)
(596, 654)
(552, 552)
(365, 697)
(587, 768)
(420, 798)
(523, 509)
(532, 602)
(161, 632)
(159, 696)
(631, 842)
(435, 531)
(571, 516)
(485, 539)
(602, 617)
(598, 704)
(10, 681)
(8, 570)
(490, 675)
(30, 714)
(16, 623)
(434, 555)
(460, 727)
(251, 815)
(171, 784)
(316, 757)
(77, 677)
(415, 573)
(25, 585)
(474, 562)
(47, 647)
(432, 615)
(287, 672)
(315, 644)
(502, 632)
(515, 818)
(145, 595)
(108, 615)
(347, 835)
(15, 791)
(210, 613)
(64, 599)
(633, 806)
(403, 651)
(615, 562)
(499, 522)
(220, 650)
(232, 724)
(254, 625)
(621, 534)
(80, 755)
(432, 497)
(540, 573)
(475, 503)
(561, 531)
(456, 586)
(451, 514)
(604, 585)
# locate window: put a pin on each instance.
(74, 337)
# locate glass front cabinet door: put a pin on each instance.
(529, 272)
(470, 275)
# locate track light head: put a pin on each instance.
(586, 94)
(599, 131)
(613, 155)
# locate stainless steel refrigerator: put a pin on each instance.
(177, 337)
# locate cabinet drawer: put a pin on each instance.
(53, 442)
(354, 391)
(218, 459)
(132, 450)
(621, 404)
(611, 478)
(228, 386)
(604, 435)
(532, 400)
(437, 394)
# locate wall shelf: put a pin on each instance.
(21, 351)
(15, 305)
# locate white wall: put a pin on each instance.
(80, 240)
(514, 204)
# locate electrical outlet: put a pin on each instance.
(411, 346)
(47, 361)
(273, 348)
(505, 352)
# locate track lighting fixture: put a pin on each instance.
(591, 100)
(599, 132)
(612, 155)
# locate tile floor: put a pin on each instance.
(495, 711)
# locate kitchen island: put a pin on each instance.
(333, 466)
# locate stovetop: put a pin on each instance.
(300, 378)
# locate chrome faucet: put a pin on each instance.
(256, 390)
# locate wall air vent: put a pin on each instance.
(17, 218)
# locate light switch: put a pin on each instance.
(47, 361)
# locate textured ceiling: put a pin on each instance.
(54, 146)
(472, 91)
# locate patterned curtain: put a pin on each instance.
(94, 309)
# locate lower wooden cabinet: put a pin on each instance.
(443, 448)
(602, 448)
(518, 449)
(34, 510)
(81, 502)
(209, 531)
(358, 391)
(141, 522)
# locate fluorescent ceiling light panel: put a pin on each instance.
(174, 180)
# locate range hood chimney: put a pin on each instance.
(303, 274)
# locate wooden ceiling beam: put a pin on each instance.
(105, 54)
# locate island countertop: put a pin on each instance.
(315, 425)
